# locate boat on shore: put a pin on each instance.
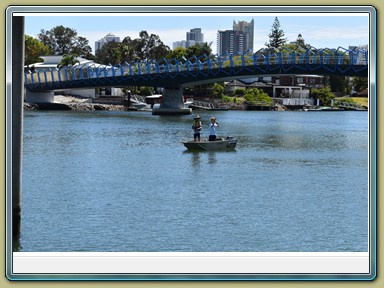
(322, 109)
(228, 143)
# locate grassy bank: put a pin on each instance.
(362, 100)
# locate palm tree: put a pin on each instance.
(68, 60)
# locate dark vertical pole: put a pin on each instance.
(17, 120)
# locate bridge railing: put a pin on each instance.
(263, 60)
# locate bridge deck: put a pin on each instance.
(200, 70)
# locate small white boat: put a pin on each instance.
(138, 105)
(228, 143)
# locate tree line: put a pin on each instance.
(65, 41)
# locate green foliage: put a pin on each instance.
(217, 90)
(276, 37)
(68, 60)
(143, 90)
(257, 95)
(226, 99)
(110, 53)
(63, 40)
(324, 94)
(33, 50)
(298, 45)
(359, 83)
(229, 99)
(177, 53)
(239, 92)
(199, 50)
(145, 48)
(338, 84)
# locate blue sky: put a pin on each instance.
(319, 30)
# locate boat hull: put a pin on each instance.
(218, 145)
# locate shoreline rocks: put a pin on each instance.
(74, 106)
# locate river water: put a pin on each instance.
(122, 182)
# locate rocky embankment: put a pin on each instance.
(73, 103)
(73, 106)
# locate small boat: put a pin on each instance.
(323, 109)
(138, 104)
(228, 143)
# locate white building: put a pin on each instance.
(108, 38)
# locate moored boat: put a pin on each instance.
(228, 143)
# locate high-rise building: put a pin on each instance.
(230, 41)
(108, 38)
(248, 29)
(194, 36)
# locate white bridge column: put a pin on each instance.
(173, 103)
(39, 97)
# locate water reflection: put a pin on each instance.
(199, 158)
(212, 158)
(195, 160)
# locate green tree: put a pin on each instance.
(150, 47)
(145, 48)
(199, 50)
(257, 95)
(63, 40)
(300, 42)
(33, 50)
(177, 53)
(82, 48)
(324, 94)
(110, 53)
(338, 84)
(68, 60)
(276, 37)
(359, 83)
(217, 90)
(239, 92)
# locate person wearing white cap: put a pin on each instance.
(213, 129)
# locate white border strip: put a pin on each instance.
(190, 263)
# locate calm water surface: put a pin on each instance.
(122, 182)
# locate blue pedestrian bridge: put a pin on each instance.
(174, 74)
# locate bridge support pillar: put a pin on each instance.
(39, 97)
(173, 103)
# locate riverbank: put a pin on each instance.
(73, 103)
(74, 106)
(85, 104)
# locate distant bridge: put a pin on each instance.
(175, 74)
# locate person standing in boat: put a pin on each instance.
(213, 129)
(196, 126)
